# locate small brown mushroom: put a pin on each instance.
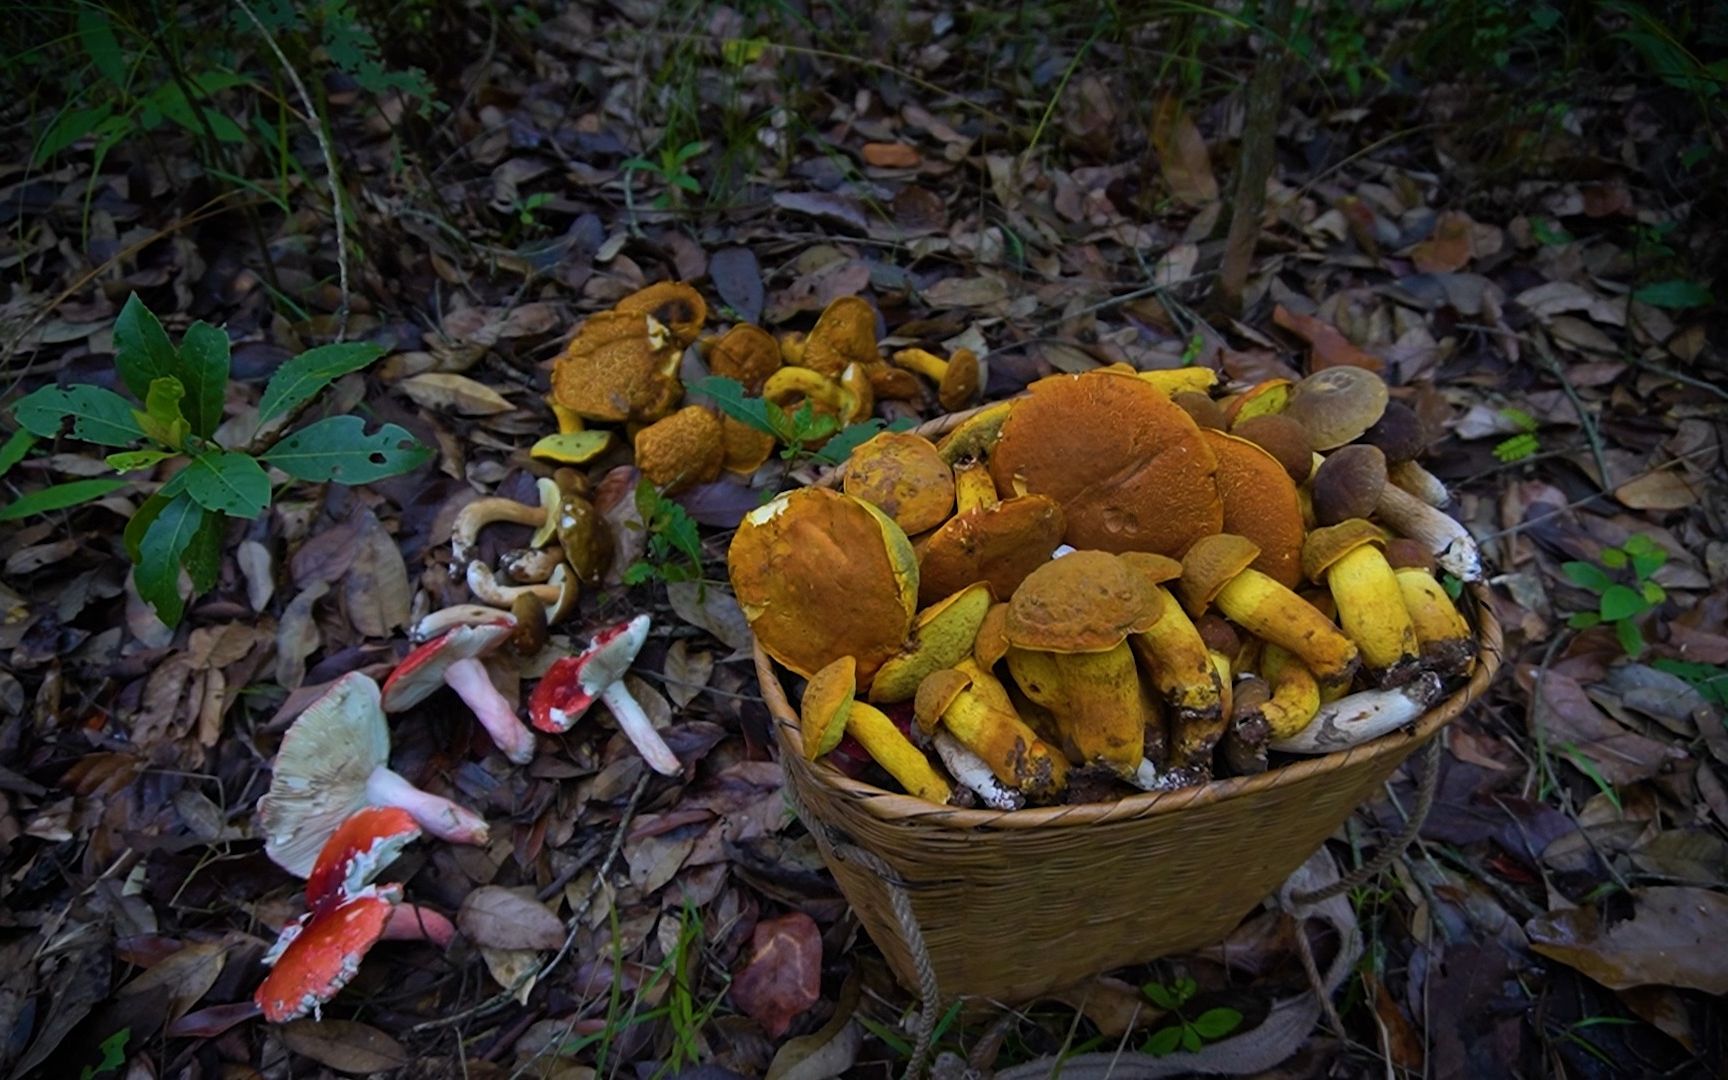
(958, 379)
(1283, 438)
(845, 333)
(1202, 408)
(1337, 404)
(1349, 482)
(585, 538)
(1399, 433)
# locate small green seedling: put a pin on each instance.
(1187, 1034)
(797, 431)
(182, 389)
(1623, 589)
(674, 551)
(1522, 445)
(672, 167)
(113, 1055)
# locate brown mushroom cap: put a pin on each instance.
(1404, 552)
(684, 449)
(1260, 503)
(1399, 433)
(745, 449)
(614, 369)
(1349, 482)
(1128, 467)
(998, 544)
(585, 537)
(902, 475)
(678, 307)
(821, 575)
(1086, 601)
(894, 384)
(1156, 569)
(992, 642)
(961, 381)
(1206, 412)
(1210, 564)
(1337, 404)
(1327, 545)
(1281, 437)
(844, 334)
(746, 353)
(935, 693)
(1219, 636)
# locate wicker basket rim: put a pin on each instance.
(894, 806)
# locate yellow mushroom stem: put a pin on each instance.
(1221, 665)
(569, 421)
(1372, 613)
(1176, 660)
(925, 363)
(1441, 631)
(1177, 380)
(1295, 696)
(1096, 701)
(855, 380)
(895, 753)
(973, 488)
(1014, 753)
(790, 384)
(1276, 615)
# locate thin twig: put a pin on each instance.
(315, 121)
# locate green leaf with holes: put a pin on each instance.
(228, 483)
(98, 416)
(339, 449)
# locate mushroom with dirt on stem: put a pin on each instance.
(1356, 486)
(333, 762)
(1348, 560)
(1444, 636)
(1175, 657)
(457, 659)
(1361, 717)
(970, 704)
(574, 683)
(482, 512)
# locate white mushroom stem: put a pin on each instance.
(474, 686)
(409, 922)
(531, 566)
(1412, 477)
(486, 586)
(437, 815)
(1454, 549)
(1361, 717)
(1148, 778)
(444, 620)
(465, 532)
(970, 770)
(636, 726)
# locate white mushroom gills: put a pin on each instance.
(1362, 717)
(602, 676)
(969, 770)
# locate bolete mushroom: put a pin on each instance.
(1399, 433)
(901, 474)
(829, 706)
(1067, 627)
(747, 354)
(573, 447)
(1336, 405)
(972, 438)
(585, 538)
(1293, 694)
(620, 366)
(943, 634)
(845, 333)
(1183, 380)
(1260, 502)
(1265, 398)
(1129, 468)
(1360, 717)
(974, 707)
(1283, 438)
(994, 541)
(1347, 559)
(1357, 484)
(791, 386)
(1444, 636)
(1175, 657)
(675, 305)
(1243, 747)
(681, 450)
(332, 762)
(1348, 483)
(572, 685)
(465, 532)
(821, 575)
(958, 379)
(1205, 412)
(1218, 570)
(456, 659)
(973, 773)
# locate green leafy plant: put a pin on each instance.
(1623, 589)
(1522, 445)
(674, 551)
(1186, 1033)
(182, 389)
(798, 431)
(113, 1055)
(672, 166)
(525, 207)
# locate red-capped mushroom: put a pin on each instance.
(365, 844)
(333, 762)
(317, 956)
(571, 685)
(455, 660)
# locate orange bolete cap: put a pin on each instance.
(822, 711)
(1210, 565)
(902, 475)
(821, 575)
(998, 544)
(678, 307)
(619, 366)
(1260, 503)
(1085, 601)
(1128, 466)
(681, 450)
(746, 353)
(844, 334)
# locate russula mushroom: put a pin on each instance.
(1217, 570)
(332, 762)
(829, 705)
(1444, 636)
(1283, 438)
(1175, 657)
(1068, 626)
(974, 707)
(972, 438)
(1337, 404)
(845, 333)
(456, 660)
(1129, 468)
(465, 533)
(1360, 717)
(620, 366)
(821, 575)
(681, 450)
(943, 634)
(314, 959)
(958, 379)
(1347, 559)
(746, 353)
(367, 842)
(1183, 380)
(902, 475)
(413, 922)
(675, 305)
(1260, 502)
(994, 541)
(572, 685)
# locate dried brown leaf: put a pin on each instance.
(784, 975)
(1327, 347)
(375, 591)
(507, 919)
(347, 1046)
(441, 390)
(1672, 939)
(1448, 249)
(1182, 153)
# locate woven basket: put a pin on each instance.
(1013, 905)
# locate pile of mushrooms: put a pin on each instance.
(1118, 581)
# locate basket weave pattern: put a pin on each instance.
(1016, 904)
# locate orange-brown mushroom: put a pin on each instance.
(746, 353)
(1260, 503)
(994, 542)
(958, 379)
(975, 708)
(682, 450)
(1129, 468)
(675, 305)
(902, 475)
(845, 333)
(619, 366)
